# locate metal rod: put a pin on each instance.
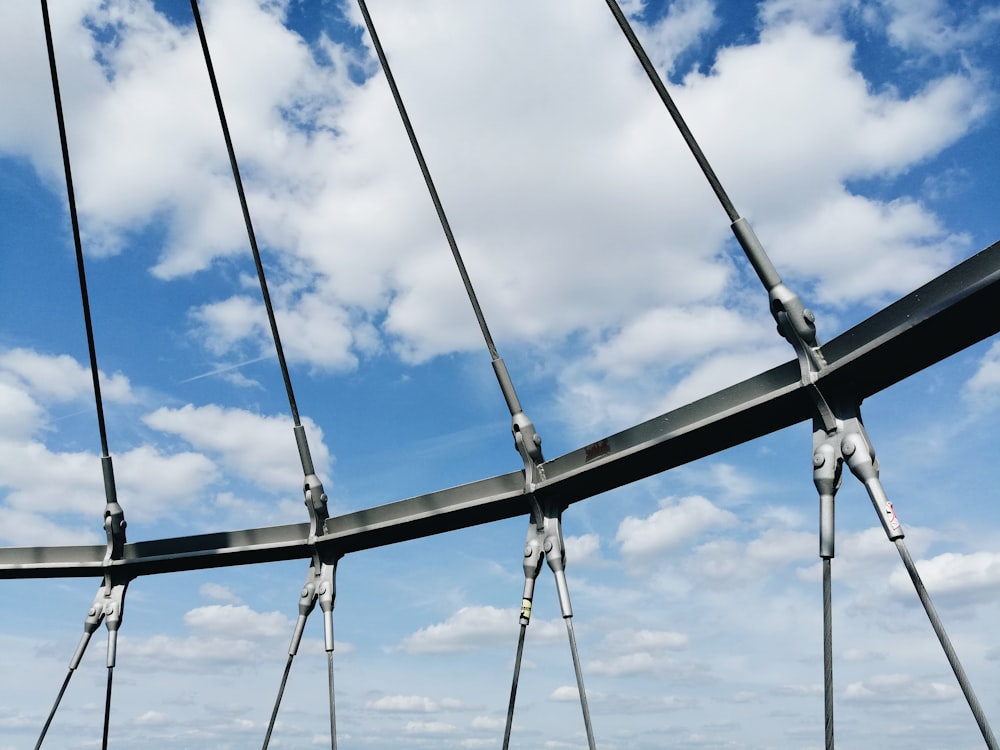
(52, 713)
(428, 180)
(279, 350)
(277, 702)
(74, 220)
(107, 710)
(675, 113)
(827, 655)
(949, 650)
(513, 687)
(579, 683)
(333, 708)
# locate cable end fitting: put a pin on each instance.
(316, 503)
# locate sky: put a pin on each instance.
(858, 136)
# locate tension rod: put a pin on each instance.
(545, 541)
(313, 489)
(499, 368)
(795, 322)
(319, 587)
(110, 599)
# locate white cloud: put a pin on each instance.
(219, 593)
(428, 727)
(231, 618)
(150, 484)
(259, 448)
(893, 688)
(677, 522)
(584, 549)
(29, 381)
(938, 28)
(471, 628)
(413, 704)
(648, 640)
(326, 161)
(953, 573)
(153, 719)
(982, 390)
(487, 722)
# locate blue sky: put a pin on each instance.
(859, 137)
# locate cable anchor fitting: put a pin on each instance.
(320, 587)
(544, 541)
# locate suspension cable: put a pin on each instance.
(107, 709)
(74, 219)
(827, 656)
(277, 702)
(675, 113)
(513, 687)
(949, 651)
(279, 350)
(435, 198)
(52, 713)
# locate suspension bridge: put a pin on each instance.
(822, 383)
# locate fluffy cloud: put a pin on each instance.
(258, 448)
(983, 388)
(471, 628)
(412, 704)
(677, 522)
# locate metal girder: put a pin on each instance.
(950, 313)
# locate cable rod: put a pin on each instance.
(828, 725)
(107, 709)
(675, 113)
(52, 713)
(513, 688)
(949, 651)
(246, 217)
(429, 181)
(74, 219)
(277, 702)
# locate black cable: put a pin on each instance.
(435, 198)
(945, 641)
(55, 705)
(277, 702)
(246, 215)
(513, 688)
(71, 197)
(107, 710)
(675, 113)
(333, 707)
(827, 655)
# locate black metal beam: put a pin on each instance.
(955, 310)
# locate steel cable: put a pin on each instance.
(107, 710)
(949, 651)
(428, 180)
(579, 683)
(675, 113)
(513, 688)
(827, 655)
(55, 706)
(277, 702)
(333, 707)
(74, 220)
(272, 321)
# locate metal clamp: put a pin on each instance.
(320, 586)
(544, 541)
(108, 606)
(848, 443)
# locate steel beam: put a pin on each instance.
(950, 313)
